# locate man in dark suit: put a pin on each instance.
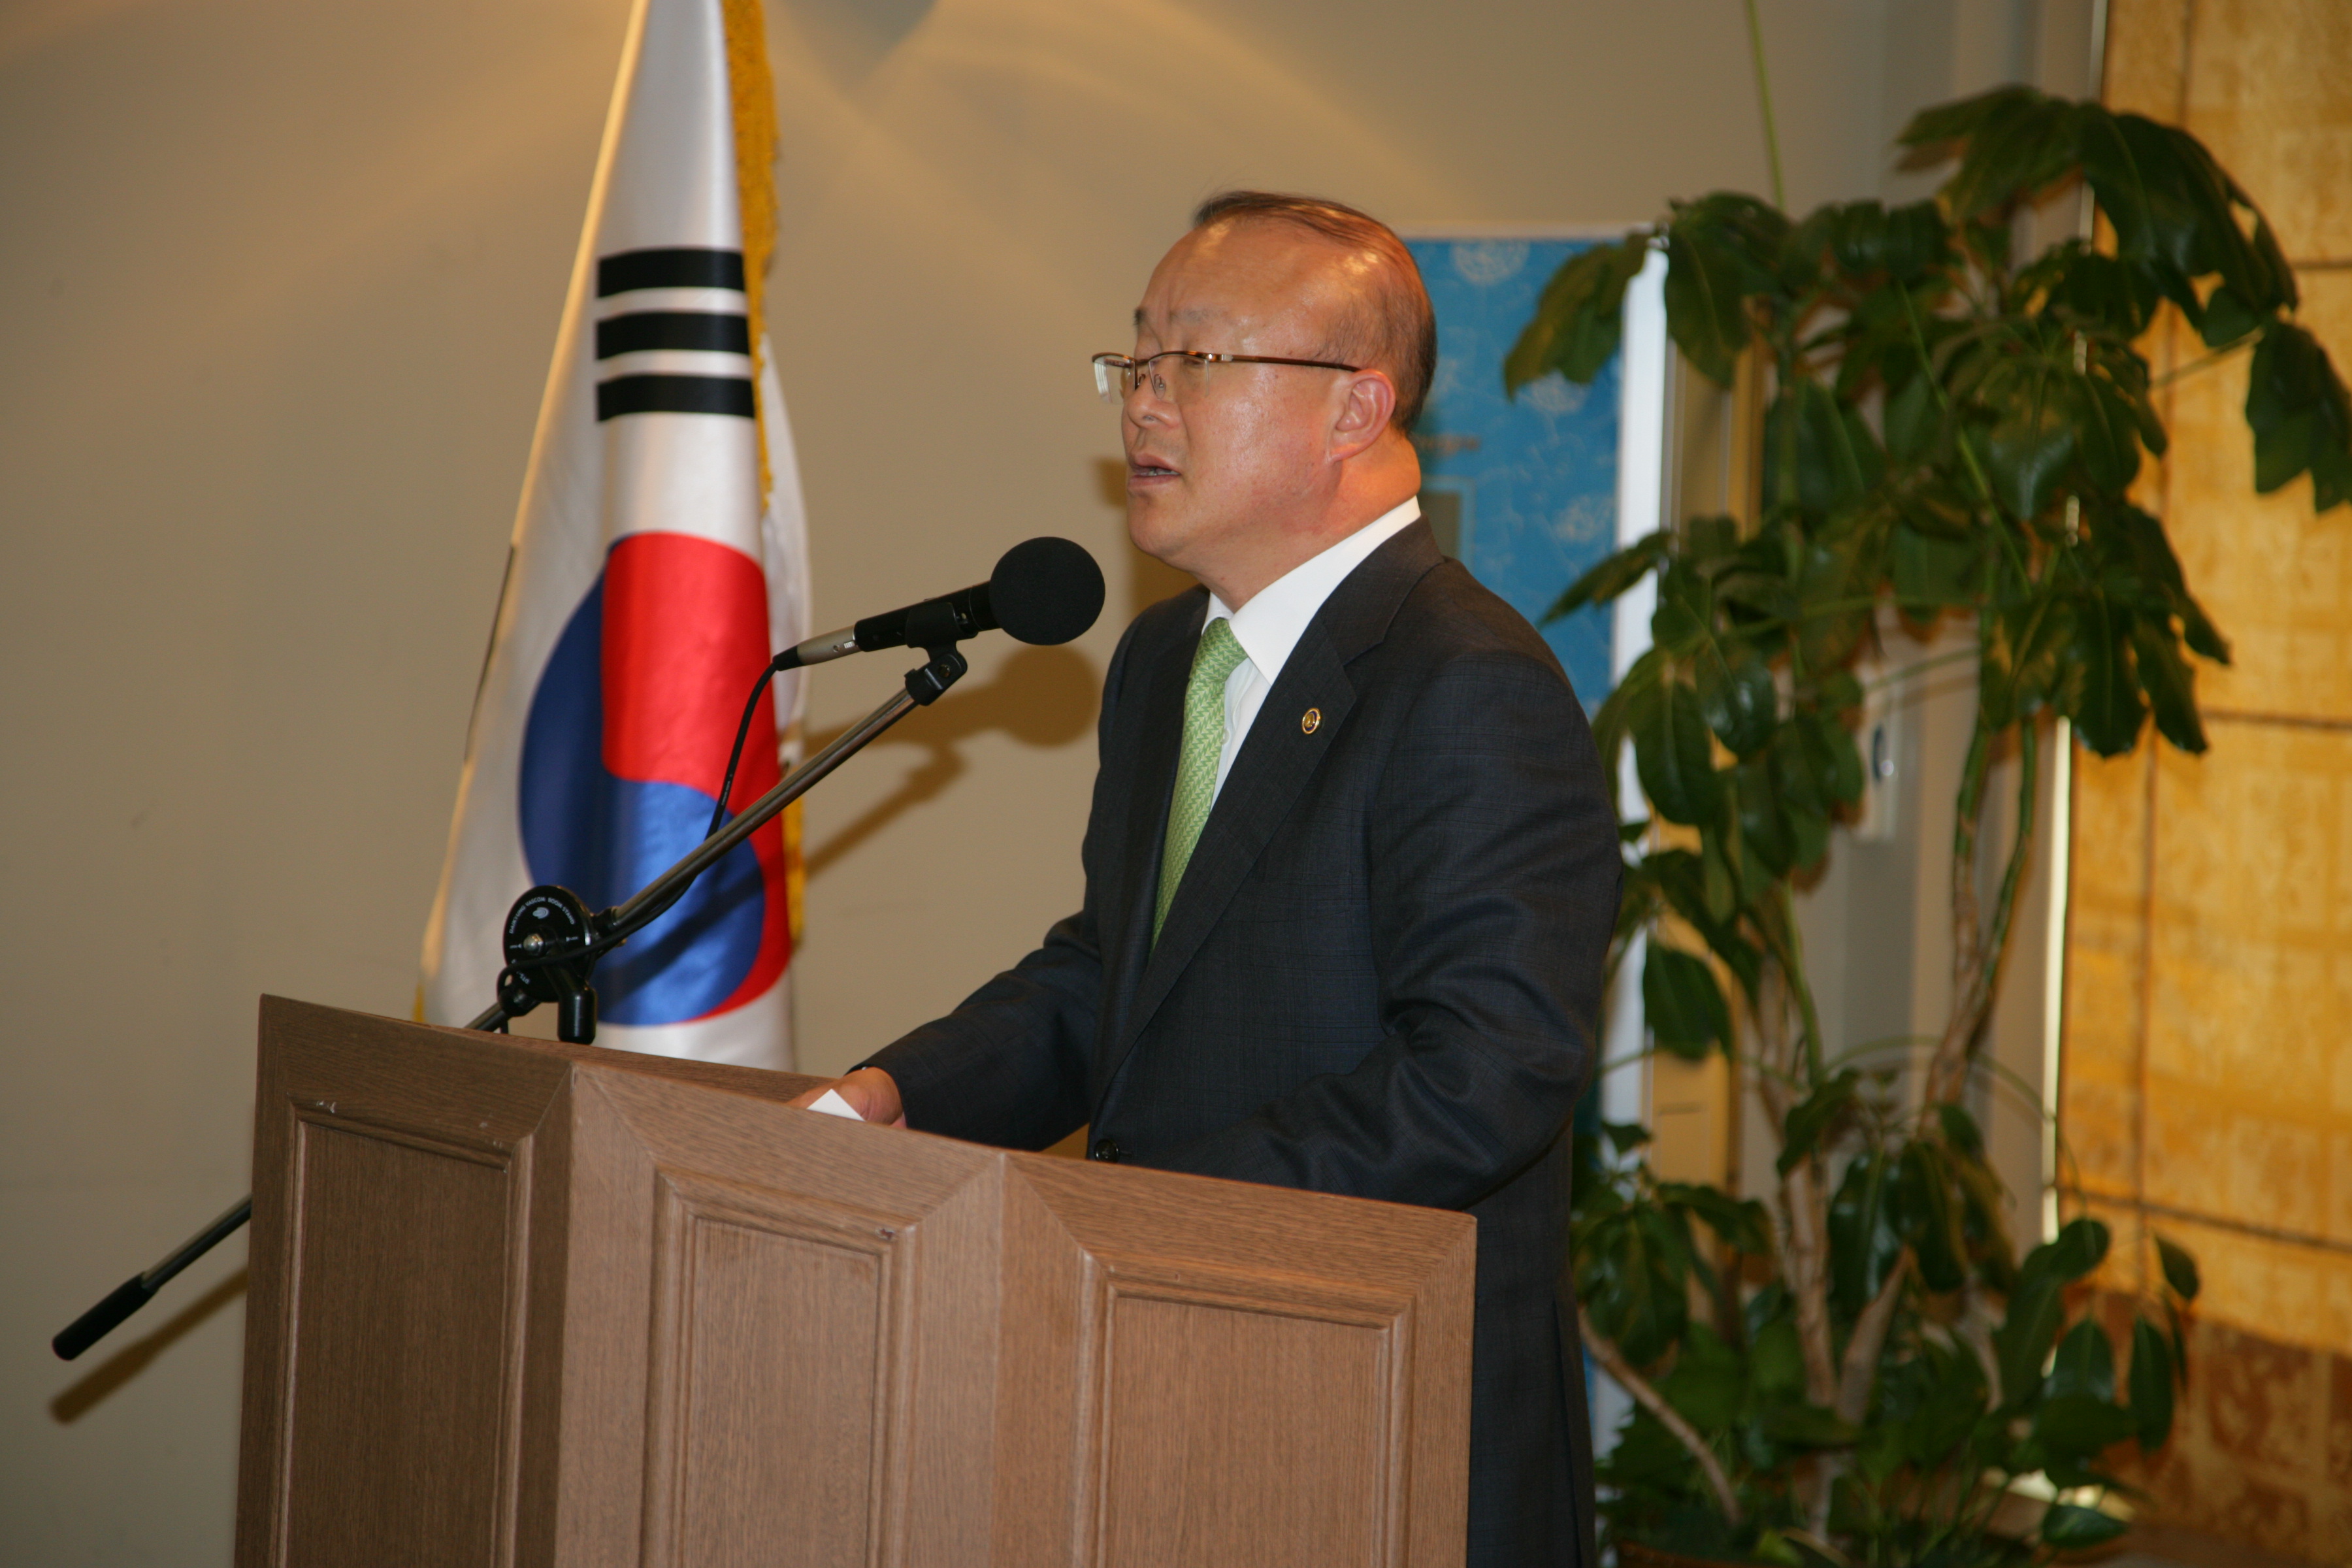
(1351, 867)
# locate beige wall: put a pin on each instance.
(281, 281)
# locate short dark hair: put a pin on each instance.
(1399, 335)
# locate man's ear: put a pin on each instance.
(1371, 400)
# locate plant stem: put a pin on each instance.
(1805, 1254)
(1764, 98)
(1920, 666)
(1977, 950)
(1645, 1394)
(2205, 362)
(1789, 946)
(1803, 1207)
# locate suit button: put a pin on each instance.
(1105, 1149)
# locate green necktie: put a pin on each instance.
(1196, 771)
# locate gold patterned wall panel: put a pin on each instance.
(2144, 58)
(2107, 946)
(2249, 1086)
(2206, 1086)
(2265, 90)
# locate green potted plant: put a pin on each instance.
(1852, 1372)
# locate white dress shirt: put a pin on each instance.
(1271, 623)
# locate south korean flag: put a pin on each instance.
(658, 560)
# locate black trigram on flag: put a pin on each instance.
(672, 334)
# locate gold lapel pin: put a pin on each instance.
(1309, 720)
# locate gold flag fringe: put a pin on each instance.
(751, 94)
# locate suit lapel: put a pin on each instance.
(1274, 765)
(1128, 935)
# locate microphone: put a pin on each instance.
(1043, 591)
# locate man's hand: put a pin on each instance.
(870, 1092)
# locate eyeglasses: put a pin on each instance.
(1180, 376)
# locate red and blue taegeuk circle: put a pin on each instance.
(622, 759)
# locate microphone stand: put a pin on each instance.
(553, 942)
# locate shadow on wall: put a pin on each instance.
(74, 1403)
(1042, 697)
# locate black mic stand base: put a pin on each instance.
(551, 944)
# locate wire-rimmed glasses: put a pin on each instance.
(1180, 376)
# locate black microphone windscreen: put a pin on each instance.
(1045, 591)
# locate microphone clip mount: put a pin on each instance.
(551, 949)
(936, 627)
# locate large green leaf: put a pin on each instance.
(1801, 1425)
(1837, 573)
(1681, 878)
(2151, 1385)
(2180, 1269)
(1916, 241)
(1961, 1130)
(1949, 1403)
(2037, 1310)
(1611, 722)
(2301, 416)
(1818, 453)
(1672, 752)
(1764, 828)
(2132, 544)
(2170, 685)
(2071, 1527)
(2032, 437)
(2135, 171)
(1613, 575)
(1866, 1240)
(2110, 712)
(1914, 417)
(1927, 1216)
(2107, 433)
(2097, 291)
(1958, 121)
(1708, 1383)
(1831, 1100)
(2080, 1427)
(1830, 763)
(2228, 318)
(1683, 625)
(1577, 319)
(1776, 1356)
(1707, 311)
(2085, 1364)
(2013, 149)
(1747, 865)
(2247, 271)
(1932, 573)
(1683, 1004)
(1739, 1222)
(1630, 1277)
(1739, 700)
(2037, 1307)
(2080, 1246)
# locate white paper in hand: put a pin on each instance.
(831, 1104)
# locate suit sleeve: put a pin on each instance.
(1008, 1067)
(1494, 868)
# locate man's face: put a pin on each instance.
(1214, 478)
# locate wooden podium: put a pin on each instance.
(521, 1303)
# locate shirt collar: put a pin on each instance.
(1276, 617)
